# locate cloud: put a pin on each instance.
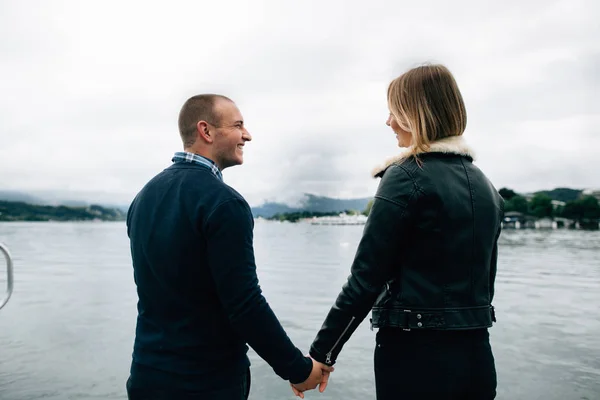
(92, 89)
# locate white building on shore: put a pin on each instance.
(341, 219)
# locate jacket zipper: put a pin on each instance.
(328, 359)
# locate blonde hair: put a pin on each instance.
(426, 102)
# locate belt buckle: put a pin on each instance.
(407, 312)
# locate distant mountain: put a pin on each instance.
(10, 195)
(312, 203)
(74, 203)
(53, 199)
(19, 211)
(327, 204)
(267, 210)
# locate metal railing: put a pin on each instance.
(9, 273)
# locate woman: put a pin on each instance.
(426, 263)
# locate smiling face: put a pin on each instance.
(229, 135)
(404, 137)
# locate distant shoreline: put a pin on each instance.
(61, 222)
(11, 211)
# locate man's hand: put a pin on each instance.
(318, 376)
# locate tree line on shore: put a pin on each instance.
(19, 211)
(540, 205)
(564, 203)
(298, 215)
(572, 204)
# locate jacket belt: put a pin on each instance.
(446, 318)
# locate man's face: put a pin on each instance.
(230, 135)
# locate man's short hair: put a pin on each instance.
(197, 108)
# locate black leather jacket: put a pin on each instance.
(427, 257)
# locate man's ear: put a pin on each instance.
(204, 132)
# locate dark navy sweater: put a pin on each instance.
(199, 298)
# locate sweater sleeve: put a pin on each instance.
(229, 232)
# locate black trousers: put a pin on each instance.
(236, 392)
(441, 365)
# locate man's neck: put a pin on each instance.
(202, 152)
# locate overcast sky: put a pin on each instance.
(91, 89)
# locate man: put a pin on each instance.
(193, 261)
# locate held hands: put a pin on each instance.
(318, 376)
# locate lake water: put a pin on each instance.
(67, 332)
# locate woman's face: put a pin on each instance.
(404, 138)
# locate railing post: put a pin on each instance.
(9, 273)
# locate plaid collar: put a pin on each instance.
(184, 156)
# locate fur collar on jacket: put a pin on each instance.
(450, 145)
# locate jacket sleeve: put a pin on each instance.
(493, 268)
(375, 260)
(231, 259)
(494, 263)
